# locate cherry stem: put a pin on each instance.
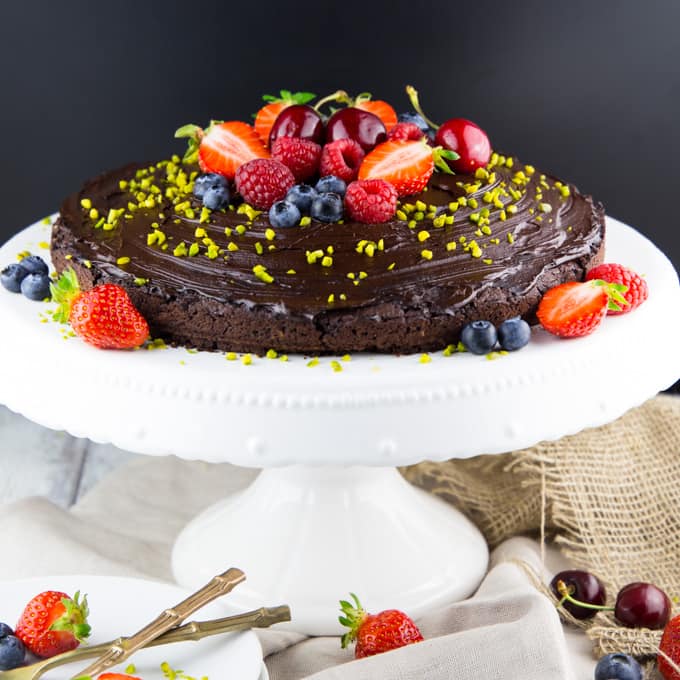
(339, 96)
(413, 96)
(565, 592)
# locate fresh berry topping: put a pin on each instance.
(53, 622)
(36, 287)
(582, 586)
(405, 132)
(327, 207)
(284, 214)
(379, 108)
(331, 184)
(376, 633)
(262, 182)
(208, 181)
(12, 652)
(103, 316)
(371, 201)
(300, 155)
(416, 119)
(618, 667)
(223, 147)
(302, 196)
(5, 630)
(669, 647)
(117, 676)
(408, 166)
(642, 605)
(361, 126)
(576, 309)
(12, 276)
(637, 292)
(513, 334)
(34, 264)
(267, 115)
(300, 121)
(216, 197)
(468, 140)
(479, 337)
(342, 158)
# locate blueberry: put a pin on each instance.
(284, 214)
(12, 652)
(36, 286)
(216, 197)
(34, 264)
(327, 207)
(12, 276)
(514, 334)
(302, 196)
(330, 184)
(618, 667)
(479, 337)
(414, 118)
(5, 630)
(204, 182)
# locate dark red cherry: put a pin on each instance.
(468, 140)
(642, 605)
(582, 586)
(363, 127)
(300, 121)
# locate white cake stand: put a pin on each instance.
(329, 513)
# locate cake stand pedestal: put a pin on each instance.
(329, 513)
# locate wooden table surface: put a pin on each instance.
(40, 462)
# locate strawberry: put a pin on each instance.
(301, 156)
(103, 316)
(669, 648)
(637, 291)
(263, 181)
(52, 623)
(408, 166)
(377, 107)
(575, 309)
(266, 116)
(376, 633)
(222, 147)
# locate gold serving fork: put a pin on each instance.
(195, 630)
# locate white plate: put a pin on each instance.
(121, 606)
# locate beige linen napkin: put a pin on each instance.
(127, 524)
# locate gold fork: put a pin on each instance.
(195, 630)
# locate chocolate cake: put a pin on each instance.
(482, 246)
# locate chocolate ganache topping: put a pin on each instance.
(506, 227)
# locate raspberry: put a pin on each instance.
(637, 291)
(300, 155)
(341, 158)
(371, 201)
(405, 132)
(263, 181)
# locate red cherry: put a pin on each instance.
(642, 605)
(363, 127)
(468, 140)
(582, 586)
(300, 121)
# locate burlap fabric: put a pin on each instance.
(608, 496)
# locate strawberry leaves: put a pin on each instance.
(288, 97)
(616, 293)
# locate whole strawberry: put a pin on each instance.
(53, 622)
(670, 647)
(262, 182)
(103, 316)
(637, 291)
(376, 633)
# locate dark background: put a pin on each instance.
(588, 90)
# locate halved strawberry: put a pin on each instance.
(222, 147)
(408, 166)
(379, 108)
(575, 309)
(269, 112)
